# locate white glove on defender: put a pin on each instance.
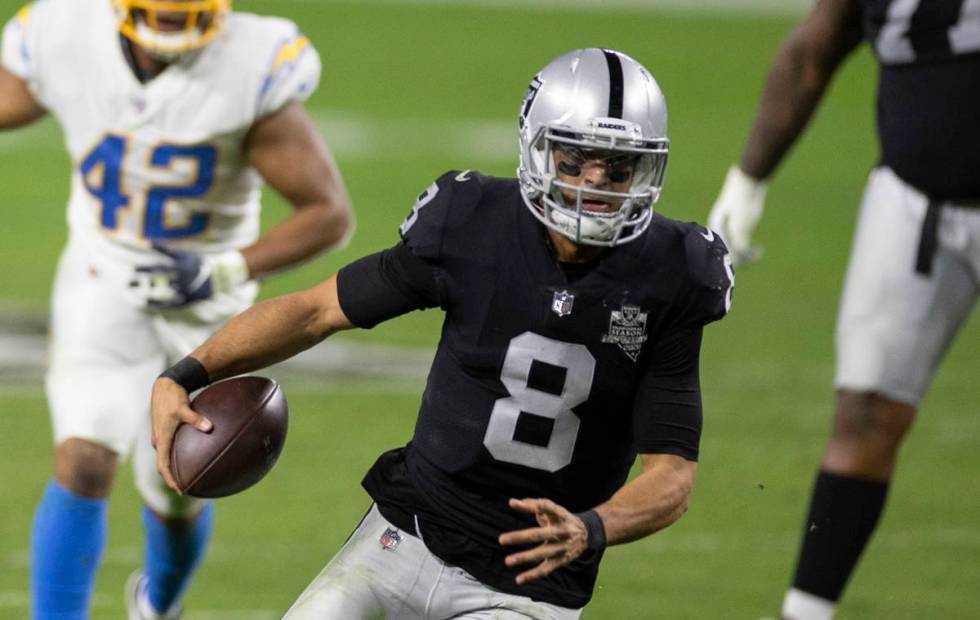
(188, 277)
(736, 213)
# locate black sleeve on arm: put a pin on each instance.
(667, 408)
(385, 285)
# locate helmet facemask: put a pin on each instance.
(154, 24)
(560, 205)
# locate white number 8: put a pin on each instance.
(523, 351)
(423, 199)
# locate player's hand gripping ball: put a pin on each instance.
(249, 415)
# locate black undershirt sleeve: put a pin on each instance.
(667, 408)
(385, 285)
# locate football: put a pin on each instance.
(249, 415)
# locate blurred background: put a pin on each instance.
(413, 88)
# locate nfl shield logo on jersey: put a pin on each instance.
(628, 329)
(561, 303)
(390, 539)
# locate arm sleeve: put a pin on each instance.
(425, 227)
(711, 278)
(387, 284)
(667, 408)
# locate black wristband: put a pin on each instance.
(595, 528)
(189, 374)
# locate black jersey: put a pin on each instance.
(545, 383)
(929, 92)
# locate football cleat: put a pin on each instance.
(138, 606)
(593, 103)
(169, 28)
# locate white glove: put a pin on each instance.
(736, 213)
(188, 277)
(228, 270)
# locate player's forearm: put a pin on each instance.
(272, 331)
(650, 502)
(17, 105)
(307, 232)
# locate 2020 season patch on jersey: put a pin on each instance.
(160, 161)
(627, 329)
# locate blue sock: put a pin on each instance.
(67, 540)
(173, 551)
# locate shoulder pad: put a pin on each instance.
(21, 36)
(445, 201)
(16, 54)
(710, 270)
(287, 62)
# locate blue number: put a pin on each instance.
(154, 227)
(107, 157)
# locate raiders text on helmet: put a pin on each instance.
(593, 99)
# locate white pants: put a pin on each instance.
(380, 575)
(895, 324)
(105, 351)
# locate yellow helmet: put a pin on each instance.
(149, 24)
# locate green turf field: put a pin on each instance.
(412, 89)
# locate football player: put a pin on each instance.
(174, 112)
(574, 316)
(915, 263)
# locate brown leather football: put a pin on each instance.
(249, 415)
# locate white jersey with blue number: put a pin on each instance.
(161, 161)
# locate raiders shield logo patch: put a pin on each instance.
(628, 329)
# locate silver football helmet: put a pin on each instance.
(593, 100)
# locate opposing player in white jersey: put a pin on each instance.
(174, 112)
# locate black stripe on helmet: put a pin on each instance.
(615, 84)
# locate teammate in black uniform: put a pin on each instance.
(573, 326)
(913, 275)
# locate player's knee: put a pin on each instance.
(163, 501)
(866, 417)
(85, 468)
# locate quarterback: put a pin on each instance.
(573, 323)
(914, 272)
(173, 112)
